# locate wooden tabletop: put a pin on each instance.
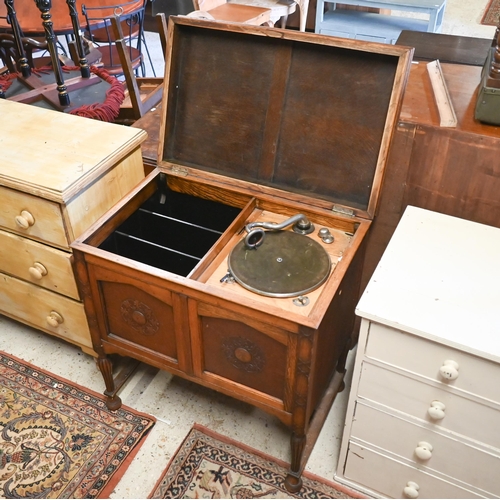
(447, 48)
(419, 105)
(30, 20)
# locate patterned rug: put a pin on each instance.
(492, 13)
(59, 440)
(208, 465)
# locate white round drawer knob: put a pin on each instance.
(37, 271)
(54, 319)
(423, 450)
(411, 490)
(436, 410)
(25, 220)
(449, 370)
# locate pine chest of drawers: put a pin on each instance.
(263, 130)
(58, 174)
(423, 413)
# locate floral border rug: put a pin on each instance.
(59, 440)
(208, 465)
(491, 15)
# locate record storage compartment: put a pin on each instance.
(172, 231)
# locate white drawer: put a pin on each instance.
(388, 477)
(37, 263)
(472, 419)
(47, 221)
(423, 357)
(451, 457)
(35, 306)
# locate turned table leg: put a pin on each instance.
(293, 481)
(113, 402)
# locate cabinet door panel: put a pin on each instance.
(139, 317)
(242, 354)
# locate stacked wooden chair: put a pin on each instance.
(100, 32)
(117, 101)
(56, 92)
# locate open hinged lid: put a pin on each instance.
(307, 114)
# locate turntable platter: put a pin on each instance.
(287, 264)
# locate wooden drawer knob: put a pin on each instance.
(138, 318)
(25, 220)
(242, 355)
(436, 410)
(54, 319)
(37, 271)
(411, 490)
(423, 450)
(449, 370)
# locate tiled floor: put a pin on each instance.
(178, 404)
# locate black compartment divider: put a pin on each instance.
(171, 231)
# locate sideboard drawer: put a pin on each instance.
(32, 217)
(389, 477)
(409, 352)
(414, 397)
(402, 437)
(45, 310)
(40, 264)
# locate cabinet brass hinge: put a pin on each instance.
(342, 210)
(180, 171)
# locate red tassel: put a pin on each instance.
(106, 111)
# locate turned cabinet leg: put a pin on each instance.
(293, 481)
(113, 402)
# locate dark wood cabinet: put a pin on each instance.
(454, 171)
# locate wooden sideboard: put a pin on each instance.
(454, 171)
(59, 173)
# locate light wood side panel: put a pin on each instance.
(29, 260)
(97, 198)
(32, 305)
(48, 223)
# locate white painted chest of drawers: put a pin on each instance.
(423, 418)
(58, 175)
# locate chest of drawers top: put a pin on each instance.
(447, 267)
(59, 173)
(54, 155)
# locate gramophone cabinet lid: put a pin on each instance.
(303, 113)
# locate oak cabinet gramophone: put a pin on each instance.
(236, 262)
